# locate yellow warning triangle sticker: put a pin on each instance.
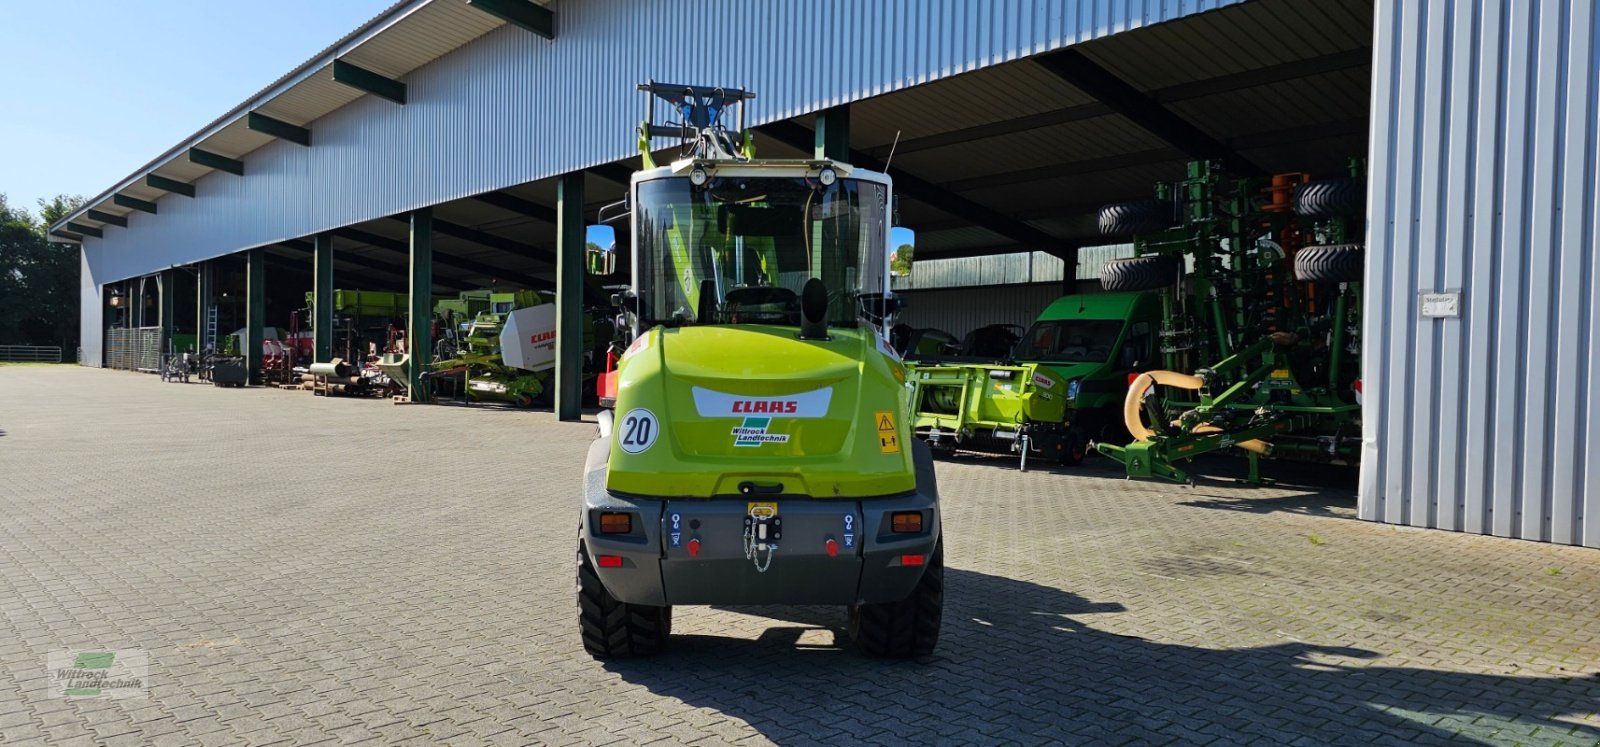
(885, 421)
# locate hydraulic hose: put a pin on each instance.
(1135, 402)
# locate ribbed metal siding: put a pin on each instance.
(511, 107)
(961, 310)
(1484, 178)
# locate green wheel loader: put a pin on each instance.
(758, 451)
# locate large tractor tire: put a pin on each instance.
(613, 629)
(1139, 273)
(1337, 263)
(1139, 216)
(1331, 198)
(908, 628)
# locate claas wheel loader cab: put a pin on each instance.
(758, 450)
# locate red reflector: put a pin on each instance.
(911, 559)
(615, 561)
(694, 547)
(833, 548)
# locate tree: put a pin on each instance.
(38, 279)
(900, 262)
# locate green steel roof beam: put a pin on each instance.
(216, 161)
(136, 204)
(83, 229)
(531, 17)
(362, 79)
(278, 128)
(115, 220)
(170, 185)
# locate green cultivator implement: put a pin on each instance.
(1260, 295)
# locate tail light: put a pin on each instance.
(616, 523)
(906, 522)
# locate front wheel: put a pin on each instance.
(908, 628)
(614, 629)
(1074, 448)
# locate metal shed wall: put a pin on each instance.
(1484, 179)
(961, 310)
(511, 107)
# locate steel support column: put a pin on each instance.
(419, 322)
(255, 311)
(833, 133)
(202, 306)
(570, 231)
(167, 284)
(322, 300)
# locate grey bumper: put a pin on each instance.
(693, 551)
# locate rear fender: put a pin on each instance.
(638, 581)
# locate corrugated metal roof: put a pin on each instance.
(402, 38)
(1222, 71)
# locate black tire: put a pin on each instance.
(1338, 263)
(613, 629)
(1139, 216)
(908, 628)
(1075, 448)
(1139, 273)
(1331, 198)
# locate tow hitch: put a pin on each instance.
(763, 529)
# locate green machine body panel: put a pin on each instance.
(1059, 392)
(753, 403)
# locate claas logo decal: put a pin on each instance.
(766, 406)
(758, 413)
(543, 339)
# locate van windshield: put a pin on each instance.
(1070, 341)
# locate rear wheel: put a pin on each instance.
(614, 629)
(908, 628)
(1139, 273)
(1330, 198)
(1335, 263)
(1139, 216)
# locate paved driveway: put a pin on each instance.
(301, 570)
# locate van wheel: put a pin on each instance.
(1074, 448)
(908, 628)
(613, 629)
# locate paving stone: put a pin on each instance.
(322, 570)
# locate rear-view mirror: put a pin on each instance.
(600, 251)
(903, 244)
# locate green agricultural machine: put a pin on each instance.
(1060, 389)
(501, 345)
(1260, 288)
(758, 452)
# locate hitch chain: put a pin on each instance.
(753, 546)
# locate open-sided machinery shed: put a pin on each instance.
(456, 143)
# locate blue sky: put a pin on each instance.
(94, 89)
